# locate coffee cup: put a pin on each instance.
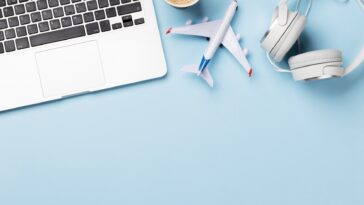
(182, 3)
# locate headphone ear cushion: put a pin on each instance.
(315, 58)
(289, 38)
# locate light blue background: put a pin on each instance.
(174, 141)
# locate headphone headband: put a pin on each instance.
(356, 63)
(283, 12)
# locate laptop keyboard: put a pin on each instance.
(30, 23)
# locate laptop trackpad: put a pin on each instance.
(70, 70)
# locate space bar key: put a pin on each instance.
(55, 36)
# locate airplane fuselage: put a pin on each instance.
(219, 36)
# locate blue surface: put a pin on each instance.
(175, 141)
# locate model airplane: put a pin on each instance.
(220, 33)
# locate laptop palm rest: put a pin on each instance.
(64, 72)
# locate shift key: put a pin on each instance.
(129, 8)
(58, 35)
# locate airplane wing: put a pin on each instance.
(203, 29)
(231, 43)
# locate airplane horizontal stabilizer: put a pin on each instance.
(206, 75)
(191, 69)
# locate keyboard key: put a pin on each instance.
(22, 1)
(42, 4)
(58, 12)
(11, 2)
(2, 3)
(77, 19)
(30, 6)
(43, 26)
(75, 1)
(9, 46)
(1, 14)
(35, 17)
(129, 8)
(66, 21)
(3, 24)
(64, 2)
(125, 1)
(8, 11)
(32, 29)
(114, 2)
(92, 28)
(103, 3)
(47, 14)
(53, 3)
(22, 43)
(69, 10)
(10, 33)
(105, 25)
(100, 14)
(139, 21)
(2, 37)
(19, 9)
(55, 24)
(111, 12)
(1, 48)
(80, 7)
(21, 31)
(58, 35)
(116, 26)
(24, 19)
(127, 21)
(13, 21)
(91, 5)
(88, 17)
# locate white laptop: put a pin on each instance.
(52, 49)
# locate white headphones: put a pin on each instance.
(285, 31)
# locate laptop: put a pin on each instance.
(54, 49)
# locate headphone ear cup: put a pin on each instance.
(289, 38)
(314, 58)
(317, 65)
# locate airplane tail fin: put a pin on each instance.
(206, 75)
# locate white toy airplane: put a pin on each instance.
(220, 33)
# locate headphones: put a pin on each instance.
(285, 31)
